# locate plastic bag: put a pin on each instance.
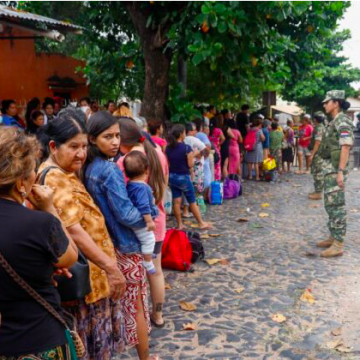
(269, 164)
(168, 201)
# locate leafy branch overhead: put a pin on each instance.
(234, 51)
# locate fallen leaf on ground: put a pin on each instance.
(189, 326)
(194, 225)
(217, 261)
(279, 318)
(239, 290)
(296, 185)
(167, 286)
(187, 306)
(314, 206)
(263, 215)
(205, 236)
(344, 349)
(212, 261)
(242, 220)
(224, 262)
(334, 344)
(214, 235)
(336, 332)
(354, 210)
(187, 222)
(257, 226)
(265, 205)
(307, 296)
(311, 253)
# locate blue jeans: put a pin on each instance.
(181, 184)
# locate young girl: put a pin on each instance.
(181, 160)
(136, 168)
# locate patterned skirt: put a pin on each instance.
(58, 353)
(134, 272)
(101, 328)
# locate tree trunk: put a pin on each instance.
(157, 64)
(182, 74)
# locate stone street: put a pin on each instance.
(271, 260)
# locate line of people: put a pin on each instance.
(112, 212)
(95, 185)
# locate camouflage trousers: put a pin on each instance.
(334, 200)
(317, 173)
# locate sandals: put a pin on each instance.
(159, 326)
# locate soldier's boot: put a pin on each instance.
(315, 196)
(336, 249)
(325, 243)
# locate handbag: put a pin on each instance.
(77, 348)
(79, 285)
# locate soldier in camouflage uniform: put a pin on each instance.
(334, 150)
(316, 160)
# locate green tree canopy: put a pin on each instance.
(234, 50)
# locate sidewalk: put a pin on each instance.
(265, 273)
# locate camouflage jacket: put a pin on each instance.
(317, 135)
(339, 132)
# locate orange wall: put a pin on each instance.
(24, 74)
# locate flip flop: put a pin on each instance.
(159, 326)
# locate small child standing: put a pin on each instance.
(136, 168)
(276, 138)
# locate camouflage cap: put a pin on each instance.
(319, 113)
(334, 94)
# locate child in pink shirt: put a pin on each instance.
(156, 130)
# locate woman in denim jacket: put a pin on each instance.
(105, 182)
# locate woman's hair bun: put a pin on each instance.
(345, 105)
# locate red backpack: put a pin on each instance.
(176, 251)
(250, 140)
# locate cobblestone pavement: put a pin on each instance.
(269, 258)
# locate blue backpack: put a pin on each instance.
(216, 195)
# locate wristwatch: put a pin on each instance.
(340, 170)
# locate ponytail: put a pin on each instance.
(174, 135)
(131, 135)
(344, 105)
(156, 174)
